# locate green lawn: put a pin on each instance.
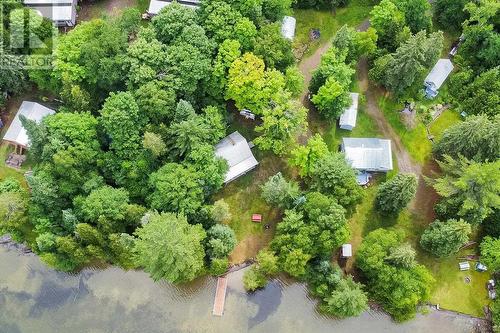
(415, 140)
(328, 22)
(451, 291)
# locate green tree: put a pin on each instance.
(468, 189)
(445, 238)
(412, 58)
(13, 213)
(210, 168)
(490, 252)
(275, 50)
(169, 248)
(480, 49)
(356, 43)
(417, 14)
(450, 13)
(228, 52)
(171, 20)
(347, 300)
(402, 255)
(476, 138)
(305, 157)
(331, 175)
(294, 81)
(176, 188)
(389, 22)
(156, 101)
(154, 143)
(333, 65)
(295, 262)
(282, 121)
(250, 86)
(398, 288)
(396, 193)
(477, 95)
(267, 262)
(328, 219)
(275, 10)
(220, 241)
(220, 211)
(279, 192)
(254, 279)
(332, 99)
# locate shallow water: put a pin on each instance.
(36, 299)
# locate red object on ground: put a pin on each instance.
(256, 218)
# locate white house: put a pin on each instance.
(288, 27)
(61, 12)
(16, 134)
(347, 119)
(156, 5)
(368, 154)
(437, 76)
(235, 150)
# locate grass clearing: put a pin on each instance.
(451, 291)
(328, 22)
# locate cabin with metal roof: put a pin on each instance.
(368, 154)
(235, 149)
(16, 135)
(347, 119)
(288, 27)
(61, 12)
(156, 5)
(437, 76)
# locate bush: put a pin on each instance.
(254, 279)
(219, 266)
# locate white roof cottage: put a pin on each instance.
(235, 149)
(156, 5)
(288, 27)
(16, 134)
(61, 12)
(368, 154)
(437, 76)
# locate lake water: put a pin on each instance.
(36, 299)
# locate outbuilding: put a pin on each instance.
(61, 12)
(235, 149)
(347, 119)
(437, 76)
(346, 251)
(156, 5)
(288, 27)
(16, 134)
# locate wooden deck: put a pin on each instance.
(220, 296)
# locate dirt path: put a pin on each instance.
(405, 163)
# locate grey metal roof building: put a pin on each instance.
(347, 119)
(16, 134)
(368, 154)
(437, 76)
(61, 12)
(156, 5)
(235, 150)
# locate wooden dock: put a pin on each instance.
(220, 296)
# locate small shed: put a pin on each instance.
(61, 12)
(464, 266)
(156, 5)
(347, 119)
(368, 154)
(236, 151)
(437, 76)
(16, 134)
(288, 27)
(346, 251)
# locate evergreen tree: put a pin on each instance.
(396, 193)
